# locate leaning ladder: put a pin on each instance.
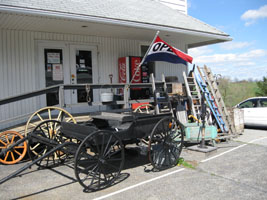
(161, 97)
(193, 92)
(212, 105)
(218, 99)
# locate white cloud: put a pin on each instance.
(250, 64)
(251, 16)
(195, 52)
(234, 45)
(234, 58)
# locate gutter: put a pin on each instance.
(103, 20)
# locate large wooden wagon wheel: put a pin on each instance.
(99, 160)
(145, 108)
(49, 129)
(17, 153)
(48, 113)
(166, 143)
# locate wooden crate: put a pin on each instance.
(177, 88)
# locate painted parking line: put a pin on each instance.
(138, 184)
(173, 172)
(252, 141)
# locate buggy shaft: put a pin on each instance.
(34, 162)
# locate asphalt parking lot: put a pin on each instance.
(236, 171)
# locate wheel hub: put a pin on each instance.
(103, 161)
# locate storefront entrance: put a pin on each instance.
(61, 63)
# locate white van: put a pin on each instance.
(255, 111)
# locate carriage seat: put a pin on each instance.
(77, 131)
(112, 120)
(121, 117)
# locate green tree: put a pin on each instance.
(262, 87)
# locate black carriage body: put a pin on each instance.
(127, 126)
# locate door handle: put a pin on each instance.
(73, 81)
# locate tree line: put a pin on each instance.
(236, 91)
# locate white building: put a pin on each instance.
(38, 36)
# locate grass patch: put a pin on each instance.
(187, 164)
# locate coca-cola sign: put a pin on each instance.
(122, 70)
(135, 61)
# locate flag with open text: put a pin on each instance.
(162, 51)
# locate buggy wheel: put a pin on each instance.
(144, 108)
(48, 113)
(166, 143)
(49, 129)
(99, 160)
(17, 153)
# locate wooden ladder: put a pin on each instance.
(218, 99)
(193, 92)
(161, 97)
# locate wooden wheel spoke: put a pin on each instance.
(109, 140)
(17, 152)
(40, 117)
(175, 136)
(111, 149)
(49, 114)
(6, 156)
(59, 115)
(32, 148)
(12, 139)
(6, 136)
(111, 165)
(102, 146)
(1, 141)
(68, 120)
(114, 159)
(19, 147)
(44, 131)
(92, 173)
(33, 125)
(12, 156)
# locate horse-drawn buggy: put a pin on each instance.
(97, 145)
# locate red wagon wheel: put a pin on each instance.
(17, 153)
(145, 108)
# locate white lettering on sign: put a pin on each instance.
(122, 72)
(137, 77)
(160, 47)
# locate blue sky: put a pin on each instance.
(245, 57)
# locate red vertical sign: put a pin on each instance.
(135, 61)
(122, 70)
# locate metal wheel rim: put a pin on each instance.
(95, 175)
(164, 149)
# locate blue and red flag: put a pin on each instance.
(162, 51)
